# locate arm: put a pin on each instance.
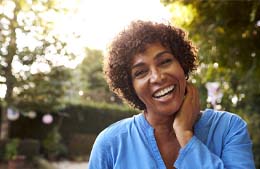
(236, 152)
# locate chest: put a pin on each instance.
(145, 152)
(169, 151)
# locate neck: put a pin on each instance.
(161, 124)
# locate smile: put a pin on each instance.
(164, 91)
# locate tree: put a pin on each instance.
(26, 42)
(93, 84)
(91, 69)
(44, 92)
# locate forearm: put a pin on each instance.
(197, 155)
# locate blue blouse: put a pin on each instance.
(220, 140)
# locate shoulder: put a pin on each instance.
(115, 130)
(214, 117)
(222, 127)
(223, 124)
(104, 146)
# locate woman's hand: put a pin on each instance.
(187, 115)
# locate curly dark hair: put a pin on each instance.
(134, 40)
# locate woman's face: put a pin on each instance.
(158, 80)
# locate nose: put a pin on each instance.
(157, 76)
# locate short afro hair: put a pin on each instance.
(134, 40)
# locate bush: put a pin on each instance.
(11, 149)
(79, 123)
(92, 117)
(2, 149)
(80, 146)
(30, 148)
(53, 146)
(83, 122)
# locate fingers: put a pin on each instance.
(192, 94)
(189, 94)
(193, 97)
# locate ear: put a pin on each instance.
(186, 76)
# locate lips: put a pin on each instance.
(163, 92)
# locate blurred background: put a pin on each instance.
(53, 97)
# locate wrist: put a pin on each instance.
(184, 137)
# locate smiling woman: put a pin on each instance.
(148, 65)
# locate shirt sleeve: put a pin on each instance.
(100, 157)
(236, 152)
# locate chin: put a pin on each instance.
(173, 112)
(164, 108)
(169, 111)
(175, 109)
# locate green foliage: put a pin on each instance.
(91, 68)
(43, 92)
(80, 123)
(11, 149)
(80, 145)
(29, 47)
(30, 148)
(92, 117)
(83, 122)
(92, 86)
(52, 144)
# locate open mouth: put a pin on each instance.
(164, 92)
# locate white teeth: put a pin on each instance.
(164, 91)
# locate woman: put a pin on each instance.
(148, 65)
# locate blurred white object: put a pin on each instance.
(214, 93)
(47, 119)
(31, 114)
(12, 114)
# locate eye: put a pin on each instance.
(166, 61)
(139, 73)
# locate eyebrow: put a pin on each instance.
(158, 55)
(161, 53)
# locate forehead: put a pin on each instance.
(151, 51)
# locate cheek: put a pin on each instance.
(182, 80)
(184, 86)
(136, 87)
(140, 89)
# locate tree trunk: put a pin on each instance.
(4, 133)
(10, 79)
